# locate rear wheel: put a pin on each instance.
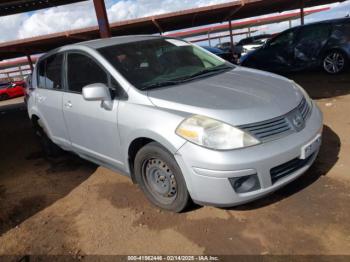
(4, 97)
(160, 178)
(334, 62)
(50, 148)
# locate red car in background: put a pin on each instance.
(12, 89)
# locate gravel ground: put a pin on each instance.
(70, 206)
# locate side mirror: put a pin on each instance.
(98, 92)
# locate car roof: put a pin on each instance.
(330, 21)
(104, 42)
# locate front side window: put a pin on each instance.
(284, 39)
(83, 71)
(160, 62)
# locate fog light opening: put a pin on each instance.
(245, 184)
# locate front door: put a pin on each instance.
(278, 53)
(92, 129)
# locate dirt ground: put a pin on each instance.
(70, 206)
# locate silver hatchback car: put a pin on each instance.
(180, 121)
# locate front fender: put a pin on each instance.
(147, 121)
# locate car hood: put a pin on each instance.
(237, 97)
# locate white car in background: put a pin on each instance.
(253, 46)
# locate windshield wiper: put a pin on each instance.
(179, 80)
(161, 84)
(204, 72)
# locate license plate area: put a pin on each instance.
(308, 149)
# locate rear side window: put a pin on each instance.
(50, 72)
(342, 32)
(83, 71)
(315, 33)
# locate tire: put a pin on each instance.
(160, 178)
(4, 97)
(50, 149)
(334, 62)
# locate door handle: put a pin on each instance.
(68, 104)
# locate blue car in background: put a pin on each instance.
(227, 55)
(323, 45)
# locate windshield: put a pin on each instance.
(161, 62)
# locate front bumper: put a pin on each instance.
(207, 171)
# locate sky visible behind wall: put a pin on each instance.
(82, 14)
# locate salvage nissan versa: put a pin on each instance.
(183, 123)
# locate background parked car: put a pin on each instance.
(227, 55)
(323, 44)
(13, 89)
(252, 43)
(226, 47)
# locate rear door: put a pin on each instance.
(48, 97)
(310, 44)
(93, 130)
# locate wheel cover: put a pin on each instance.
(334, 62)
(159, 180)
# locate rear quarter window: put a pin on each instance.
(41, 74)
(341, 32)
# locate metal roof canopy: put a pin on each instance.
(11, 7)
(208, 38)
(238, 9)
(245, 24)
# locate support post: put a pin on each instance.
(209, 39)
(302, 12)
(290, 23)
(102, 19)
(249, 32)
(20, 71)
(160, 29)
(231, 36)
(30, 63)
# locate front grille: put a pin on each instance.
(277, 127)
(288, 168)
(269, 130)
(304, 108)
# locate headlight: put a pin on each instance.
(214, 134)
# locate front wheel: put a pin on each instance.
(160, 178)
(334, 62)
